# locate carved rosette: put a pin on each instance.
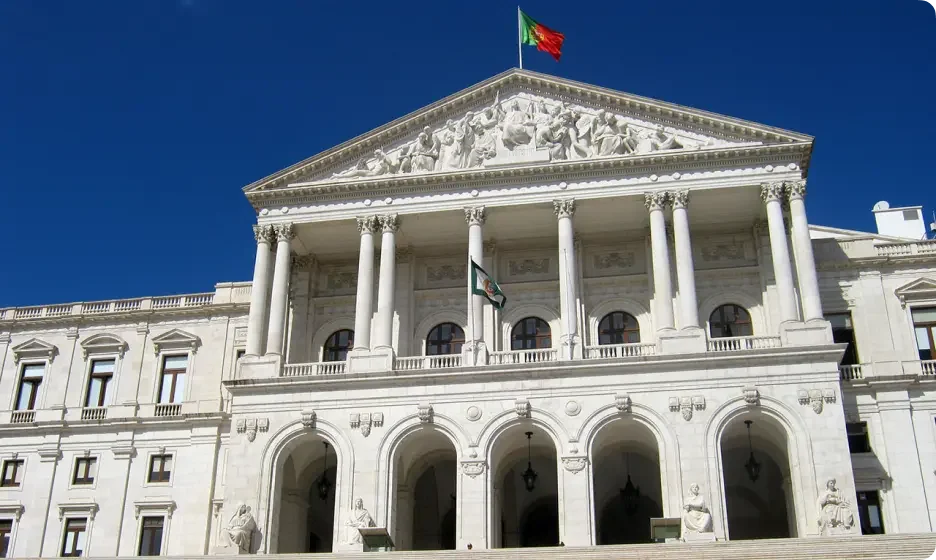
(771, 192)
(367, 224)
(679, 199)
(389, 223)
(475, 215)
(564, 208)
(285, 232)
(796, 189)
(473, 468)
(655, 201)
(264, 234)
(623, 402)
(574, 464)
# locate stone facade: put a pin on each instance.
(625, 246)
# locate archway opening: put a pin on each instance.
(758, 491)
(628, 490)
(306, 495)
(525, 509)
(426, 475)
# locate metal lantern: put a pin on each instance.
(324, 485)
(752, 466)
(529, 475)
(630, 494)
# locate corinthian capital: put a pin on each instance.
(564, 208)
(263, 234)
(285, 232)
(680, 199)
(796, 189)
(770, 192)
(475, 215)
(389, 222)
(655, 200)
(367, 224)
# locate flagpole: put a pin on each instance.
(520, 37)
(471, 301)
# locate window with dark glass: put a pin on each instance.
(160, 468)
(85, 470)
(12, 475)
(102, 371)
(445, 339)
(869, 513)
(6, 533)
(618, 328)
(529, 334)
(858, 441)
(844, 333)
(338, 345)
(730, 320)
(924, 327)
(151, 536)
(28, 392)
(172, 379)
(75, 536)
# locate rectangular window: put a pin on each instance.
(172, 380)
(12, 473)
(75, 535)
(160, 468)
(85, 470)
(102, 371)
(844, 333)
(858, 441)
(6, 533)
(28, 391)
(924, 327)
(151, 536)
(869, 513)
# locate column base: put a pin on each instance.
(690, 340)
(259, 367)
(377, 359)
(810, 333)
(228, 551)
(474, 353)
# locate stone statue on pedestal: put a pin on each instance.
(239, 530)
(359, 517)
(696, 516)
(835, 515)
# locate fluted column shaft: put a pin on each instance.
(475, 217)
(805, 262)
(256, 318)
(772, 194)
(685, 269)
(564, 210)
(662, 283)
(383, 337)
(364, 301)
(279, 299)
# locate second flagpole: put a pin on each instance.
(520, 36)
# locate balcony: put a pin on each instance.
(606, 351)
(94, 413)
(22, 416)
(852, 372)
(741, 343)
(928, 367)
(167, 410)
(534, 356)
(315, 368)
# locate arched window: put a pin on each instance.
(618, 327)
(445, 339)
(730, 320)
(337, 346)
(530, 333)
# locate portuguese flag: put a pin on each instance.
(540, 36)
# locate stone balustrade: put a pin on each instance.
(605, 351)
(740, 343)
(851, 372)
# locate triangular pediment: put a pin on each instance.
(920, 289)
(34, 348)
(521, 118)
(103, 343)
(176, 339)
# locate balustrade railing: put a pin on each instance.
(929, 367)
(409, 363)
(94, 413)
(447, 361)
(109, 306)
(905, 249)
(22, 416)
(851, 372)
(534, 356)
(314, 368)
(739, 343)
(634, 350)
(163, 410)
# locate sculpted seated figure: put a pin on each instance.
(696, 517)
(834, 511)
(359, 518)
(240, 529)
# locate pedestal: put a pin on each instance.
(810, 333)
(690, 340)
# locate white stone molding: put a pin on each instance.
(622, 402)
(500, 423)
(475, 215)
(473, 413)
(573, 408)
(77, 509)
(473, 468)
(103, 343)
(685, 405)
(34, 349)
(176, 339)
(264, 233)
(751, 395)
(514, 313)
(365, 420)
(574, 465)
(815, 398)
(630, 306)
(308, 417)
(564, 208)
(424, 411)
(522, 407)
(284, 232)
(331, 327)
(165, 507)
(435, 318)
(922, 289)
(389, 222)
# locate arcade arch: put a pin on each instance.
(305, 489)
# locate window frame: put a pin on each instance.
(623, 331)
(536, 337)
(454, 341)
(151, 458)
(142, 534)
(325, 346)
(187, 373)
(7, 534)
(863, 507)
(36, 401)
(90, 376)
(19, 467)
(84, 482)
(929, 325)
(849, 434)
(719, 309)
(11, 512)
(65, 532)
(853, 343)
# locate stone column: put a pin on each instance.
(662, 282)
(285, 233)
(383, 337)
(805, 263)
(564, 210)
(472, 506)
(258, 291)
(685, 270)
(575, 507)
(475, 217)
(364, 302)
(772, 195)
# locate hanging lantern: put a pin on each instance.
(630, 494)
(529, 475)
(324, 485)
(752, 466)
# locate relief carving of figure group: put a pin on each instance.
(566, 133)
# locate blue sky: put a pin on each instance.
(129, 127)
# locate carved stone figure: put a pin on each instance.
(835, 513)
(607, 138)
(653, 140)
(239, 530)
(696, 516)
(448, 158)
(358, 518)
(518, 127)
(423, 153)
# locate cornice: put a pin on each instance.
(152, 315)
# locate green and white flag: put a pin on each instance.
(483, 285)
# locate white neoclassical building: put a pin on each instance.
(679, 348)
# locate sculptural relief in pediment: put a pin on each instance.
(526, 129)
